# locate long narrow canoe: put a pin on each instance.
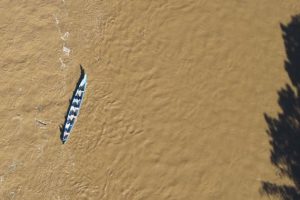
(73, 112)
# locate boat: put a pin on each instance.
(74, 109)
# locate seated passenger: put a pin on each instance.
(72, 112)
(81, 88)
(65, 137)
(70, 121)
(77, 97)
(75, 104)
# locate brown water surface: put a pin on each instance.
(174, 104)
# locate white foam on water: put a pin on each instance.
(13, 166)
(12, 195)
(65, 36)
(63, 65)
(66, 50)
(56, 19)
(1, 179)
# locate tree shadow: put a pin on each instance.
(61, 127)
(284, 130)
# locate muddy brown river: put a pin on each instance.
(174, 106)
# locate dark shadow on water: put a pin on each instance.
(284, 130)
(61, 127)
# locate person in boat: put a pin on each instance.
(65, 138)
(71, 121)
(75, 104)
(70, 128)
(67, 130)
(81, 88)
(74, 113)
(80, 92)
(71, 112)
(78, 97)
(74, 108)
(75, 100)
